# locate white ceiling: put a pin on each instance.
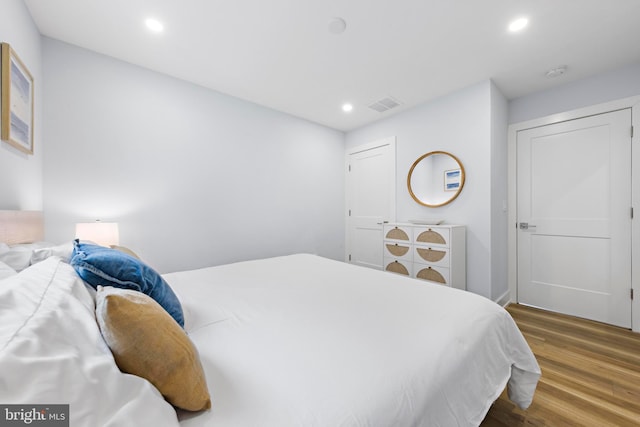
(281, 54)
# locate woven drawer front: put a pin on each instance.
(399, 267)
(432, 236)
(398, 251)
(433, 274)
(431, 255)
(397, 233)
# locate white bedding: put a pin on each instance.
(51, 352)
(305, 341)
(289, 341)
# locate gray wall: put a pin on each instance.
(193, 177)
(20, 173)
(617, 84)
(499, 223)
(460, 123)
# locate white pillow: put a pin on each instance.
(49, 331)
(64, 251)
(6, 271)
(18, 257)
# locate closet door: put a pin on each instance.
(371, 200)
(574, 217)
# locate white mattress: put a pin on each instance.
(306, 341)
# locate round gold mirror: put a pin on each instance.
(435, 179)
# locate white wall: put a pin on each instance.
(461, 124)
(194, 177)
(499, 217)
(21, 174)
(617, 84)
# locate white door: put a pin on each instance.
(574, 217)
(370, 199)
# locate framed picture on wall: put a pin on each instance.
(17, 100)
(452, 180)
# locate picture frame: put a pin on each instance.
(16, 103)
(452, 179)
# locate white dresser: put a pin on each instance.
(436, 253)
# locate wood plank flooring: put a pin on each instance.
(590, 374)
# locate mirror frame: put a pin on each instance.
(453, 196)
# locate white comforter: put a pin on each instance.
(305, 341)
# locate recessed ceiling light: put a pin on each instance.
(337, 25)
(347, 107)
(518, 24)
(154, 25)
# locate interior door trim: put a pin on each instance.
(390, 141)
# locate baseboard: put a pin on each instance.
(504, 299)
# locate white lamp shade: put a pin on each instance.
(101, 233)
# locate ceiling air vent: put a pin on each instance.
(384, 104)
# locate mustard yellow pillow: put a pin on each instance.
(125, 250)
(147, 342)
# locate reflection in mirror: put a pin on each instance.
(436, 179)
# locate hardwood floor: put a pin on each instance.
(590, 374)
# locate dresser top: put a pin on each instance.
(413, 224)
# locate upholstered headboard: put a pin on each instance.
(21, 227)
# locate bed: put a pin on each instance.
(297, 340)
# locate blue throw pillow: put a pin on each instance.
(98, 265)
